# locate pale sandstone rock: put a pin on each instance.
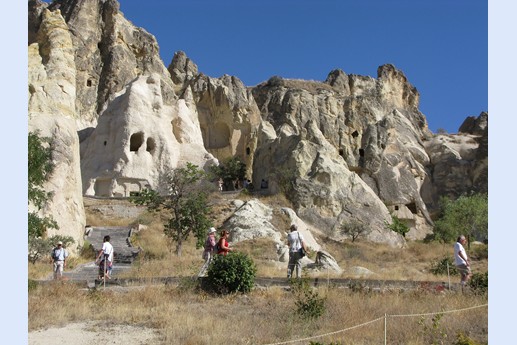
(139, 139)
(51, 77)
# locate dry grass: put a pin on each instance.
(184, 315)
(187, 316)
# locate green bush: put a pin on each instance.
(40, 248)
(440, 267)
(467, 215)
(308, 301)
(231, 273)
(398, 226)
(87, 251)
(479, 282)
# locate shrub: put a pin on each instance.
(231, 273)
(308, 301)
(462, 339)
(39, 247)
(354, 229)
(479, 282)
(433, 332)
(398, 226)
(479, 252)
(466, 215)
(87, 251)
(440, 267)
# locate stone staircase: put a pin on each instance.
(124, 253)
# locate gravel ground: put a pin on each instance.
(87, 333)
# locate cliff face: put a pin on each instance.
(349, 147)
(51, 112)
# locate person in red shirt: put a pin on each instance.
(224, 247)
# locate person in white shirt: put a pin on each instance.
(461, 260)
(59, 255)
(105, 259)
(295, 243)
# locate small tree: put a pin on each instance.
(309, 303)
(354, 229)
(40, 168)
(232, 169)
(397, 225)
(185, 204)
(466, 215)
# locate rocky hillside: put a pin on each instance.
(351, 147)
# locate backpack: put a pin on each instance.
(55, 256)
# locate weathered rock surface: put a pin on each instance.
(139, 139)
(350, 147)
(228, 114)
(459, 164)
(252, 220)
(51, 77)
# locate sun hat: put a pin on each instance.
(60, 243)
(211, 230)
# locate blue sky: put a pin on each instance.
(440, 45)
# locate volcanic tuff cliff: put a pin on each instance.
(351, 146)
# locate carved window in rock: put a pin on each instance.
(136, 141)
(219, 136)
(151, 145)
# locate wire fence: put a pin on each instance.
(385, 318)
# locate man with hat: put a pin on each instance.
(59, 255)
(208, 251)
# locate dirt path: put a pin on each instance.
(87, 333)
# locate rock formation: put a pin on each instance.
(139, 139)
(52, 91)
(228, 114)
(348, 148)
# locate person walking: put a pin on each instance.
(224, 246)
(461, 260)
(105, 258)
(58, 255)
(208, 251)
(296, 244)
